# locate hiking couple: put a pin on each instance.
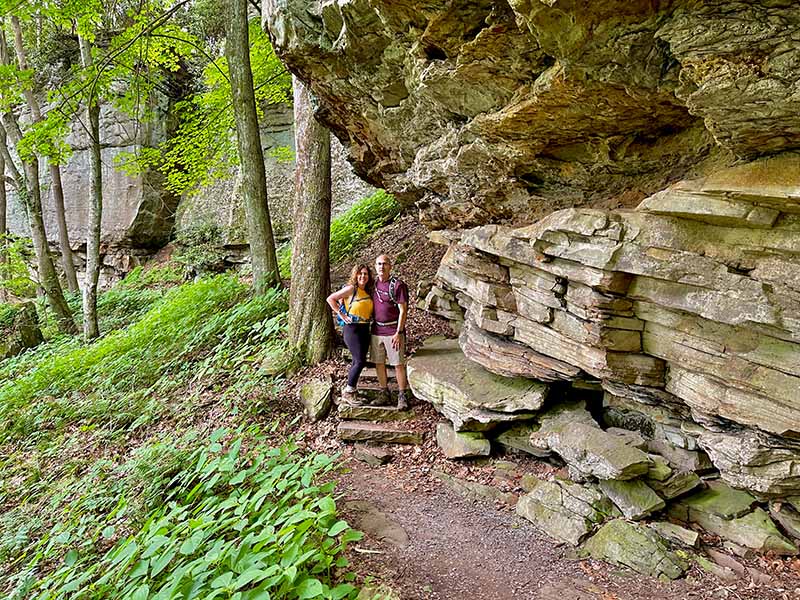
(374, 312)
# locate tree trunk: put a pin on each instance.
(3, 225)
(310, 323)
(251, 157)
(67, 261)
(30, 193)
(91, 328)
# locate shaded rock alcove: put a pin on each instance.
(618, 188)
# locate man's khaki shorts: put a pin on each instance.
(381, 351)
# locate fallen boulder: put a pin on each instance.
(457, 444)
(19, 329)
(316, 396)
(565, 511)
(634, 546)
(593, 452)
(634, 498)
(471, 397)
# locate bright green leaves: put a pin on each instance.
(270, 536)
(203, 149)
(47, 138)
(15, 276)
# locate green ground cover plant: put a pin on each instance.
(114, 482)
(231, 525)
(350, 230)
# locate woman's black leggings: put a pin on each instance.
(357, 338)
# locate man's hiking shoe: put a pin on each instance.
(382, 398)
(402, 401)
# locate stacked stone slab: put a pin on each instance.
(687, 310)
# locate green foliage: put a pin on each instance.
(216, 521)
(15, 277)
(282, 154)
(100, 497)
(7, 314)
(117, 378)
(47, 138)
(161, 276)
(350, 230)
(203, 149)
(200, 248)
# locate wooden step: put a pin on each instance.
(373, 413)
(355, 431)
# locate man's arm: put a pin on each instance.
(401, 324)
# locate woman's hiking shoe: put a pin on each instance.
(350, 397)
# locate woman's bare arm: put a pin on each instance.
(334, 299)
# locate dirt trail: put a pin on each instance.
(457, 548)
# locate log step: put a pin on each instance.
(352, 431)
(373, 413)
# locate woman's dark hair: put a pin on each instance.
(354, 277)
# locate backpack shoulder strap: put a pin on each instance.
(393, 283)
(353, 297)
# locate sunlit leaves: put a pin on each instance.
(203, 148)
(251, 524)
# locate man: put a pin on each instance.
(388, 342)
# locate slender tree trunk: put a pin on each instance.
(30, 193)
(310, 323)
(91, 328)
(3, 224)
(251, 157)
(28, 190)
(67, 261)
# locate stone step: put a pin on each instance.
(374, 386)
(352, 431)
(371, 373)
(373, 413)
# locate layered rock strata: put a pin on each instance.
(687, 310)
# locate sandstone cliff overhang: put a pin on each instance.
(488, 111)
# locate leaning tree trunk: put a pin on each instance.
(310, 323)
(251, 156)
(91, 329)
(30, 194)
(67, 262)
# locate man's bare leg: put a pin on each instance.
(383, 380)
(380, 369)
(402, 377)
(402, 383)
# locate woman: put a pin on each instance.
(353, 304)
